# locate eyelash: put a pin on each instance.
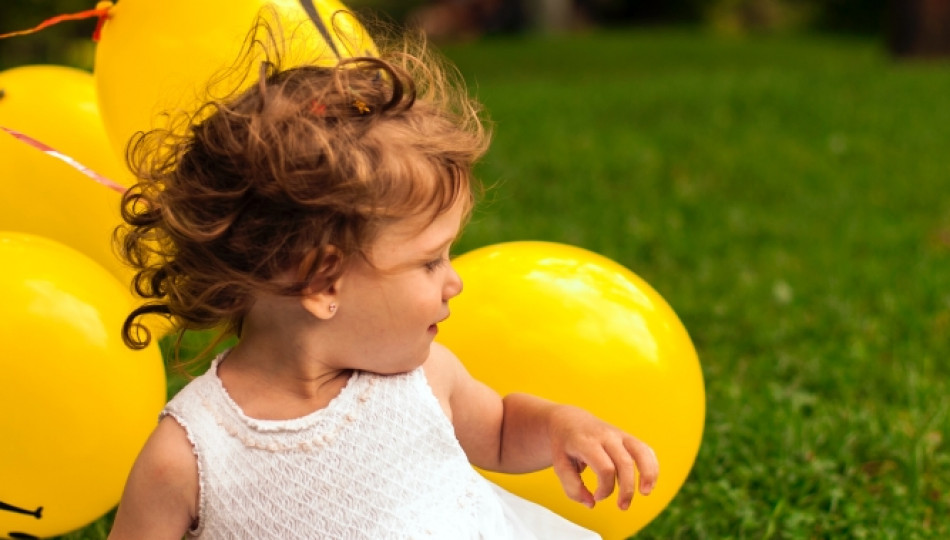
(433, 265)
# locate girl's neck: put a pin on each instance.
(279, 379)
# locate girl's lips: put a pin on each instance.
(435, 327)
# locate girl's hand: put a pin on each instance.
(580, 440)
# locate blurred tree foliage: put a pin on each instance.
(869, 17)
(855, 16)
(70, 42)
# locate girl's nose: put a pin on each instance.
(453, 284)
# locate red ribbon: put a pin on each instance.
(101, 11)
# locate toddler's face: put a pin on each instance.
(389, 310)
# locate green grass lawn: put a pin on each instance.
(788, 197)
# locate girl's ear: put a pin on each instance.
(320, 296)
(323, 304)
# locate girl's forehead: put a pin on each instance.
(421, 232)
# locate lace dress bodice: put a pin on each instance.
(380, 461)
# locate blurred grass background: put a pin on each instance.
(787, 194)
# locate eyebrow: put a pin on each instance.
(424, 256)
(438, 249)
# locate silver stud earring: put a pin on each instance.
(332, 308)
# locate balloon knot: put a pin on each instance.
(102, 8)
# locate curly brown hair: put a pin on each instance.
(296, 173)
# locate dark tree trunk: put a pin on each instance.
(920, 28)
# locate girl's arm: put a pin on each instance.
(522, 433)
(160, 498)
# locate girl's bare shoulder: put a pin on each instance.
(161, 495)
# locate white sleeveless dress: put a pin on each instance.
(381, 461)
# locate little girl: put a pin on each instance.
(312, 216)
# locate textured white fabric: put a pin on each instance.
(380, 461)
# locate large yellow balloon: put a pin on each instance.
(575, 327)
(40, 194)
(155, 56)
(75, 404)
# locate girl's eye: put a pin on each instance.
(431, 266)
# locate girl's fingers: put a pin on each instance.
(604, 466)
(614, 456)
(617, 463)
(568, 472)
(625, 473)
(647, 463)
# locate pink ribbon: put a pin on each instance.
(70, 161)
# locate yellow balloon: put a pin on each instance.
(40, 194)
(154, 57)
(76, 405)
(575, 327)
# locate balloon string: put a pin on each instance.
(101, 11)
(70, 161)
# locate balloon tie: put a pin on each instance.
(48, 150)
(101, 11)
